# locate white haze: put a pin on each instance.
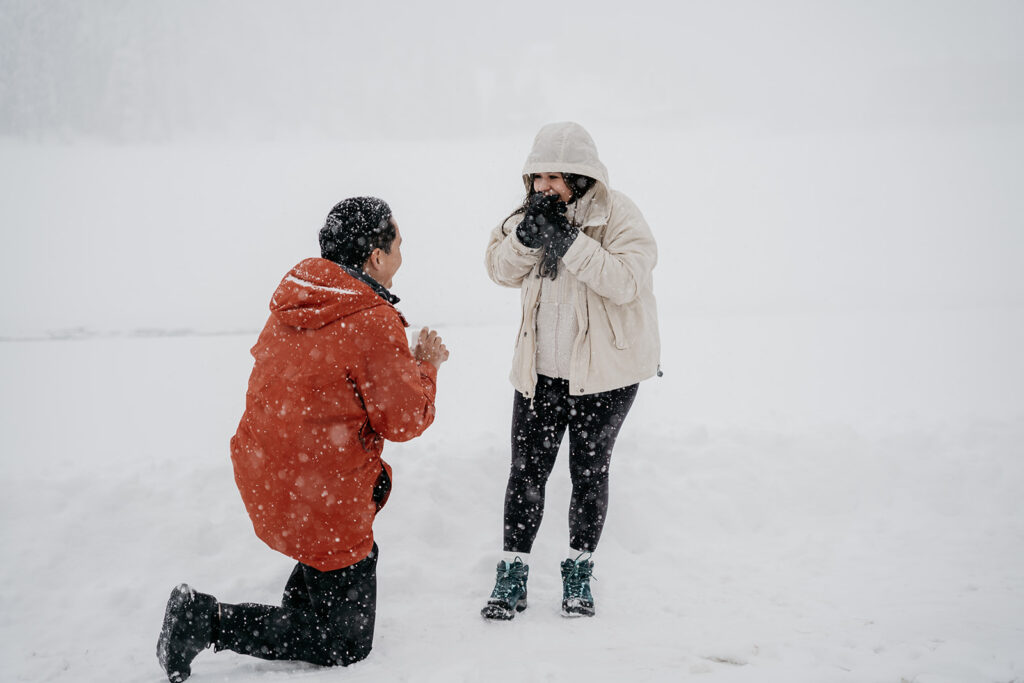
(824, 486)
(791, 155)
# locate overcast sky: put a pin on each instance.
(788, 155)
(124, 70)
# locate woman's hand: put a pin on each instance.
(561, 235)
(562, 232)
(535, 230)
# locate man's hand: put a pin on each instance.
(430, 348)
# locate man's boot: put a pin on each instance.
(189, 628)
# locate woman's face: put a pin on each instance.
(552, 183)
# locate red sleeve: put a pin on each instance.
(397, 390)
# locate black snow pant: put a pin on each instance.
(593, 421)
(325, 618)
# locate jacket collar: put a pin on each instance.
(377, 287)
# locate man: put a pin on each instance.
(334, 378)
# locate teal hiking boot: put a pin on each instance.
(509, 594)
(577, 600)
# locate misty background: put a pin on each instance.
(123, 71)
(790, 156)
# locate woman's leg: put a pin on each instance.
(593, 427)
(537, 431)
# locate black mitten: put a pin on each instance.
(535, 229)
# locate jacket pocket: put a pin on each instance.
(368, 438)
(618, 321)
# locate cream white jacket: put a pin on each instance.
(609, 267)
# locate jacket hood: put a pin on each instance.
(567, 147)
(318, 292)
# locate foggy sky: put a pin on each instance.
(789, 156)
(128, 71)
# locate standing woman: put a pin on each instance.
(582, 256)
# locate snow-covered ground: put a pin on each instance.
(824, 486)
(773, 516)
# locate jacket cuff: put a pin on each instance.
(521, 248)
(578, 252)
(428, 370)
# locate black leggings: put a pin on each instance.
(593, 422)
(325, 618)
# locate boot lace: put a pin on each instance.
(509, 580)
(577, 578)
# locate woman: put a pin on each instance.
(582, 255)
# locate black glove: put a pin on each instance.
(535, 230)
(563, 234)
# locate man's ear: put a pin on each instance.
(374, 262)
(374, 259)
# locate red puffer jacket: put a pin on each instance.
(333, 378)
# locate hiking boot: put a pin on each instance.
(509, 594)
(577, 600)
(187, 631)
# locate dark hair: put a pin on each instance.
(354, 228)
(578, 184)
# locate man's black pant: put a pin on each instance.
(325, 618)
(593, 422)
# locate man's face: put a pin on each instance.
(381, 265)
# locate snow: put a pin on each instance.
(824, 486)
(747, 540)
